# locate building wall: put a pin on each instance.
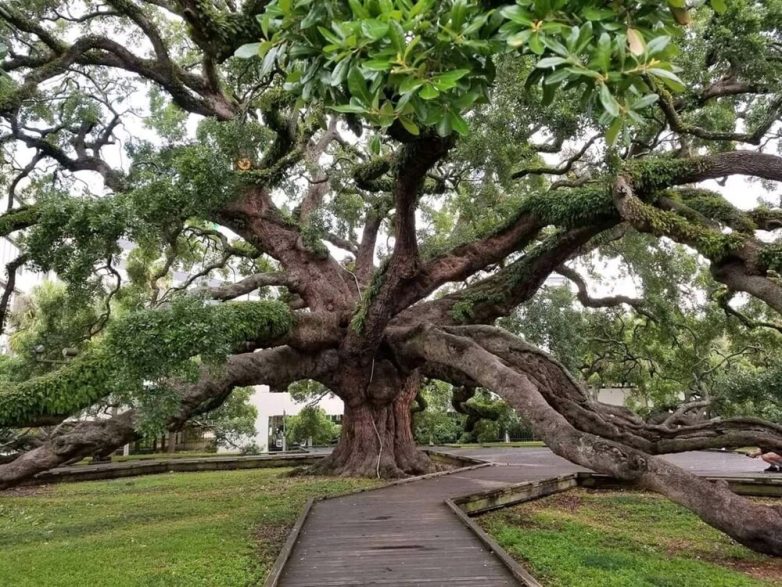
(271, 404)
(615, 396)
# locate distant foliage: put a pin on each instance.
(311, 423)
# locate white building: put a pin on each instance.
(614, 396)
(273, 408)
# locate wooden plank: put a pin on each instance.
(751, 485)
(484, 501)
(518, 571)
(398, 535)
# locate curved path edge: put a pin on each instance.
(403, 533)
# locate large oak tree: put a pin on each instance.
(381, 172)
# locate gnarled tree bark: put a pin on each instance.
(757, 526)
(377, 435)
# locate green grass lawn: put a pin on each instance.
(221, 528)
(624, 539)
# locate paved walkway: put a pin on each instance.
(405, 535)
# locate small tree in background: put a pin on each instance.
(311, 426)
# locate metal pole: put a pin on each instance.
(284, 439)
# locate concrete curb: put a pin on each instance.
(156, 467)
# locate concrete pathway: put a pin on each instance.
(405, 535)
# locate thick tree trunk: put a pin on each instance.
(377, 440)
(171, 443)
(83, 439)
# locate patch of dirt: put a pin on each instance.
(569, 501)
(440, 467)
(522, 519)
(26, 491)
(269, 538)
(769, 569)
(676, 546)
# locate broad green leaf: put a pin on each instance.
(397, 36)
(555, 45)
(612, 132)
(658, 45)
(444, 127)
(558, 76)
(357, 7)
(331, 37)
(446, 81)
(429, 92)
(608, 101)
(594, 13)
(374, 29)
(645, 102)
(409, 125)
(293, 76)
(340, 72)
(357, 86)
(665, 74)
(458, 124)
(264, 48)
(268, 61)
(719, 6)
(348, 108)
(410, 84)
(536, 44)
(517, 14)
(520, 39)
(602, 54)
(374, 144)
(419, 7)
(378, 64)
(550, 62)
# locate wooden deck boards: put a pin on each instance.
(406, 535)
(401, 535)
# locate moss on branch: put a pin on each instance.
(652, 174)
(18, 219)
(570, 208)
(716, 207)
(771, 257)
(142, 348)
(710, 242)
(378, 279)
(222, 32)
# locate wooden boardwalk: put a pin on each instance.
(406, 535)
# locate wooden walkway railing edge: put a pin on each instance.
(472, 504)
